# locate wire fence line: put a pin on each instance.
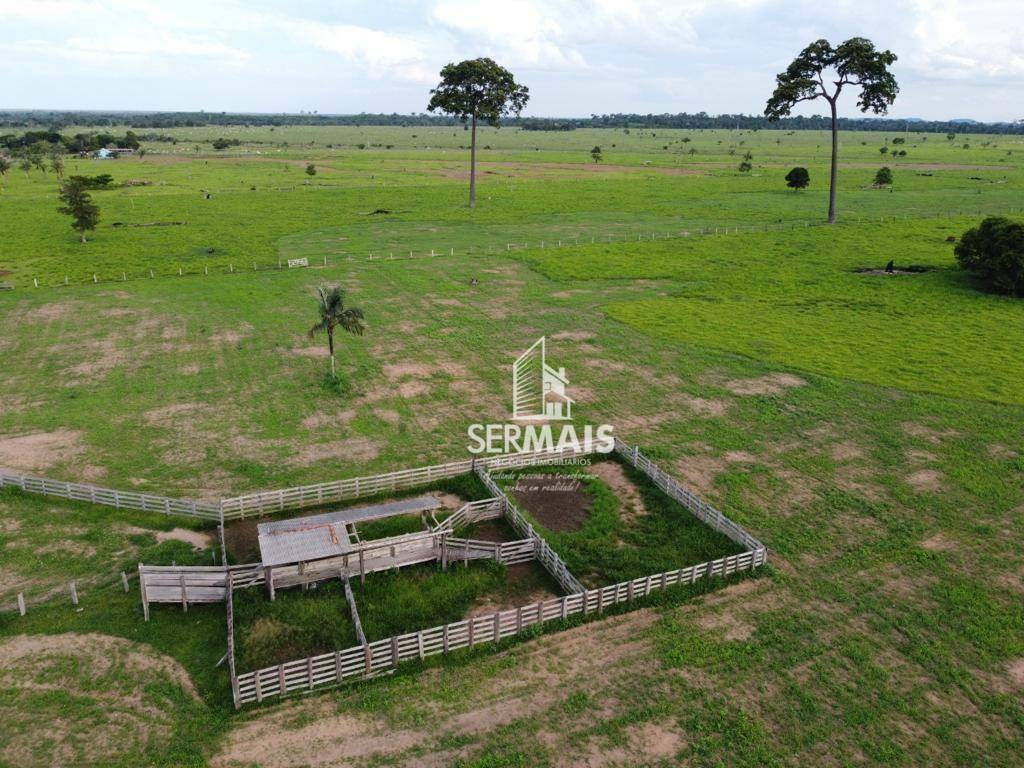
(496, 248)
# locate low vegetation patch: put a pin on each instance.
(610, 542)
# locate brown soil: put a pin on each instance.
(770, 384)
(558, 502)
(926, 480)
(523, 682)
(1016, 672)
(612, 474)
(104, 674)
(38, 451)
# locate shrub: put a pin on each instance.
(994, 251)
(745, 166)
(884, 176)
(798, 179)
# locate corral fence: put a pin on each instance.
(188, 584)
(112, 498)
(698, 507)
(547, 556)
(304, 496)
(382, 656)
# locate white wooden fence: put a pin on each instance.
(547, 556)
(697, 506)
(112, 498)
(382, 656)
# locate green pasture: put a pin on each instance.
(263, 208)
(867, 428)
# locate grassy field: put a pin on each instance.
(867, 428)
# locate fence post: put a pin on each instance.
(74, 592)
(21, 603)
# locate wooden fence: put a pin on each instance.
(697, 506)
(267, 502)
(181, 584)
(547, 556)
(382, 656)
(112, 498)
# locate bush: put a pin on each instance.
(798, 179)
(745, 166)
(884, 176)
(994, 251)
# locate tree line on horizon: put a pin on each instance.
(55, 121)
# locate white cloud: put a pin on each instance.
(521, 31)
(953, 39)
(378, 52)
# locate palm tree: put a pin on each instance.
(333, 314)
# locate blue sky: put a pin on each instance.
(957, 59)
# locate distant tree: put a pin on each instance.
(855, 62)
(994, 251)
(57, 164)
(478, 89)
(745, 166)
(25, 164)
(334, 314)
(596, 154)
(310, 169)
(883, 150)
(85, 214)
(883, 178)
(102, 181)
(5, 166)
(950, 136)
(798, 179)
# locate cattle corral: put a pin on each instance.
(306, 551)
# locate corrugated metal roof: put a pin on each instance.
(320, 536)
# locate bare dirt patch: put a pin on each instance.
(938, 543)
(118, 678)
(1000, 451)
(355, 449)
(614, 476)
(520, 682)
(769, 384)
(314, 352)
(38, 451)
(50, 312)
(573, 335)
(926, 480)
(322, 419)
(703, 406)
(1015, 671)
(198, 539)
(846, 451)
(935, 436)
(699, 472)
(556, 501)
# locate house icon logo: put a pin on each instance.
(538, 390)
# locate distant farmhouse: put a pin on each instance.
(108, 153)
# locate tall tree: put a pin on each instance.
(84, 213)
(855, 62)
(334, 314)
(478, 89)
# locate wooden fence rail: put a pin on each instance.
(697, 506)
(112, 498)
(547, 556)
(382, 656)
